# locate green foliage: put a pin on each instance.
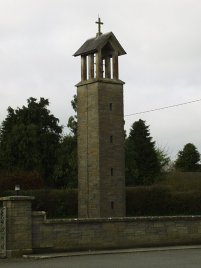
(66, 169)
(188, 159)
(140, 201)
(147, 200)
(182, 181)
(179, 193)
(185, 203)
(29, 138)
(161, 201)
(72, 121)
(163, 159)
(61, 203)
(142, 165)
(65, 172)
(26, 180)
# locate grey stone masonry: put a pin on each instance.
(101, 149)
(51, 235)
(101, 175)
(18, 225)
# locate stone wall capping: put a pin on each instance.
(38, 213)
(124, 219)
(17, 198)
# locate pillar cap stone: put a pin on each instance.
(17, 198)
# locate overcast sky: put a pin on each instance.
(162, 67)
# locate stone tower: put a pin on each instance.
(101, 178)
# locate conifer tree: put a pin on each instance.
(65, 173)
(142, 164)
(188, 158)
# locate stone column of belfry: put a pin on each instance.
(101, 174)
(83, 68)
(107, 67)
(115, 66)
(99, 65)
(91, 66)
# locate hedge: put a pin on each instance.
(161, 201)
(144, 201)
(26, 180)
(140, 201)
(56, 203)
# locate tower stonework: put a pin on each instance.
(101, 175)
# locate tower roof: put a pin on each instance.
(94, 44)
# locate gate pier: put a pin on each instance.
(18, 229)
(2, 232)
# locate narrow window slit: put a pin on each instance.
(112, 205)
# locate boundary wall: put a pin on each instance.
(29, 231)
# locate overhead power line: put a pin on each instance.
(163, 108)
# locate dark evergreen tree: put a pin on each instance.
(164, 159)
(188, 158)
(65, 174)
(72, 121)
(29, 138)
(142, 164)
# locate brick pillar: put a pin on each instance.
(18, 225)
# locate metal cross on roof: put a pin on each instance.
(99, 22)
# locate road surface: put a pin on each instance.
(189, 258)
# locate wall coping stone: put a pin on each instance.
(38, 213)
(124, 219)
(17, 198)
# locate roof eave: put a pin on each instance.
(83, 52)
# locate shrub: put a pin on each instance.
(182, 181)
(56, 203)
(161, 201)
(26, 180)
(185, 203)
(144, 201)
(140, 201)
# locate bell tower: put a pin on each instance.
(101, 175)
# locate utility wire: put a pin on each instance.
(163, 108)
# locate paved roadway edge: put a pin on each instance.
(103, 252)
